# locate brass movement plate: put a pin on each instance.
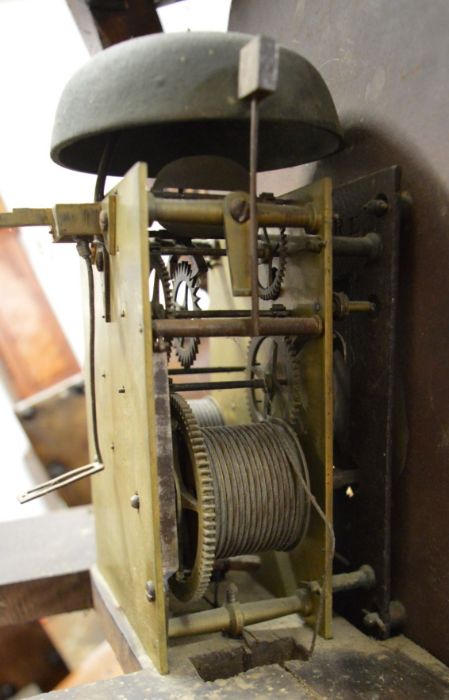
(308, 279)
(129, 547)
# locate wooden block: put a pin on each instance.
(44, 565)
(55, 423)
(99, 665)
(28, 656)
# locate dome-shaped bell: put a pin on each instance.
(168, 96)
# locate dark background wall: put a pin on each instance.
(387, 66)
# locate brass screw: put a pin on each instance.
(104, 221)
(239, 209)
(135, 501)
(150, 591)
(232, 593)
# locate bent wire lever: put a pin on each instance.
(60, 481)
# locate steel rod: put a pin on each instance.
(211, 386)
(220, 327)
(205, 370)
(369, 245)
(361, 578)
(232, 313)
(253, 220)
(206, 251)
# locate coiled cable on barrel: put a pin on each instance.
(206, 412)
(258, 473)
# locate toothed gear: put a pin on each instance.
(186, 348)
(195, 494)
(275, 274)
(268, 358)
(161, 280)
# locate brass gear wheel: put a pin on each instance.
(275, 275)
(185, 298)
(274, 360)
(160, 282)
(196, 505)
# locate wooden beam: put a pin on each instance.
(45, 565)
(104, 23)
(34, 350)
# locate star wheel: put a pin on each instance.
(272, 267)
(195, 505)
(274, 360)
(161, 298)
(185, 298)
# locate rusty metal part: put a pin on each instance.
(275, 275)
(369, 245)
(185, 297)
(160, 283)
(196, 518)
(274, 362)
(206, 411)
(362, 578)
(216, 327)
(172, 87)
